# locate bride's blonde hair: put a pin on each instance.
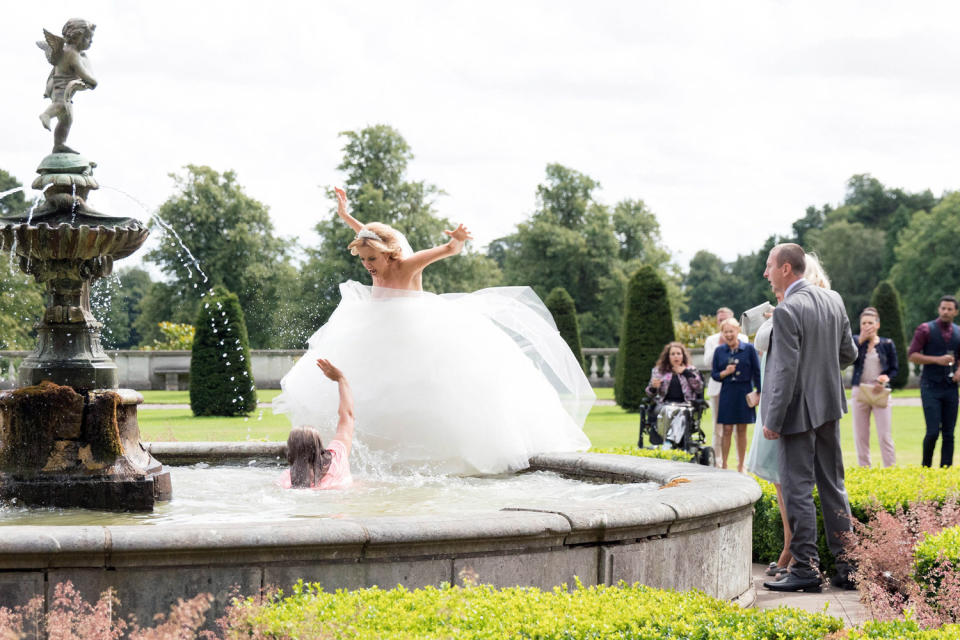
(379, 236)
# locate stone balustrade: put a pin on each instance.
(168, 370)
(171, 369)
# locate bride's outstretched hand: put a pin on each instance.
(461, 234)
(341, 200)
(329, 370)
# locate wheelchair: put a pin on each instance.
(676, 425)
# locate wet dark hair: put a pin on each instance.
(663, 362)
(308, 459)
(949, 298)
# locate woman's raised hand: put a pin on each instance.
(329, 370)
(460, 234)
(341, 200)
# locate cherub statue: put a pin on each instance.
(71, 73)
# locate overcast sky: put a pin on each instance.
(727, 118)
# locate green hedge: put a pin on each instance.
(564, 312)
(867, 487)
(520, 612)
(221, 378)
(903, 630)
(886, 300)
(647, 328)
(662, 454)
(934, 551)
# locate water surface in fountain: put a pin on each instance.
(238, 494)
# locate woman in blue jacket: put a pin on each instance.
(737, 368)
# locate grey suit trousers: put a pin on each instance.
(808, 458)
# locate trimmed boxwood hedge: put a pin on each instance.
(867, 487)
(886, 300)
(661, 454)
(647, 328)
(629, 612)
(221, 378)
(519, 612)
(564, 312)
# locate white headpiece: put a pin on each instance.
(366, 233)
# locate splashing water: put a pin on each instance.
(10, 192)
(73, 207)
(36, 203)
(152, 215)
(218, 323)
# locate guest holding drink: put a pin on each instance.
(875, 366)
(737, 368)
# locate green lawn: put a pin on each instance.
(607, 426)
(183, 397)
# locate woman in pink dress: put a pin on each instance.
(312, 466)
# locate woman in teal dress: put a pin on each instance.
(762, 457)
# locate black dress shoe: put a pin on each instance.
(843, 581)
(791, 582)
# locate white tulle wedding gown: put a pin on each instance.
(456, 383)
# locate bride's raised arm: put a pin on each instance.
(419, 260)
(352, 222)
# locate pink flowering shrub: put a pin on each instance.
(72, 618)
(882, 549)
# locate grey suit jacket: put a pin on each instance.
(810, 344)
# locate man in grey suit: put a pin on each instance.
(803, 401)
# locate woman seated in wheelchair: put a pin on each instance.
(675, 388)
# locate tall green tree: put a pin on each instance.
(886, 300)
(161, 302)
(708, 285)
(647, 328)
(13, 203)
(21, 306)
(852, 255)
(115, 301)
(575, 242)
(926, 266)
(374, 164)
(21, 298)
(812, 220)
(877, 207)
(230, 241)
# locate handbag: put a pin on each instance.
(871, 396)
(753, 399)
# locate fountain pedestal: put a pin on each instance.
(60, 448)
(69, 437)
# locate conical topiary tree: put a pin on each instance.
(886, 300)
(647, 327)
(221, 380)
(564, 313)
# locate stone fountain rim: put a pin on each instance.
(708, 492)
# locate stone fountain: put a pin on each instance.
(68, 436)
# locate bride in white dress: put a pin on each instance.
(456, 383)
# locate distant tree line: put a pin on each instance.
(877, 234)
(287, 287)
